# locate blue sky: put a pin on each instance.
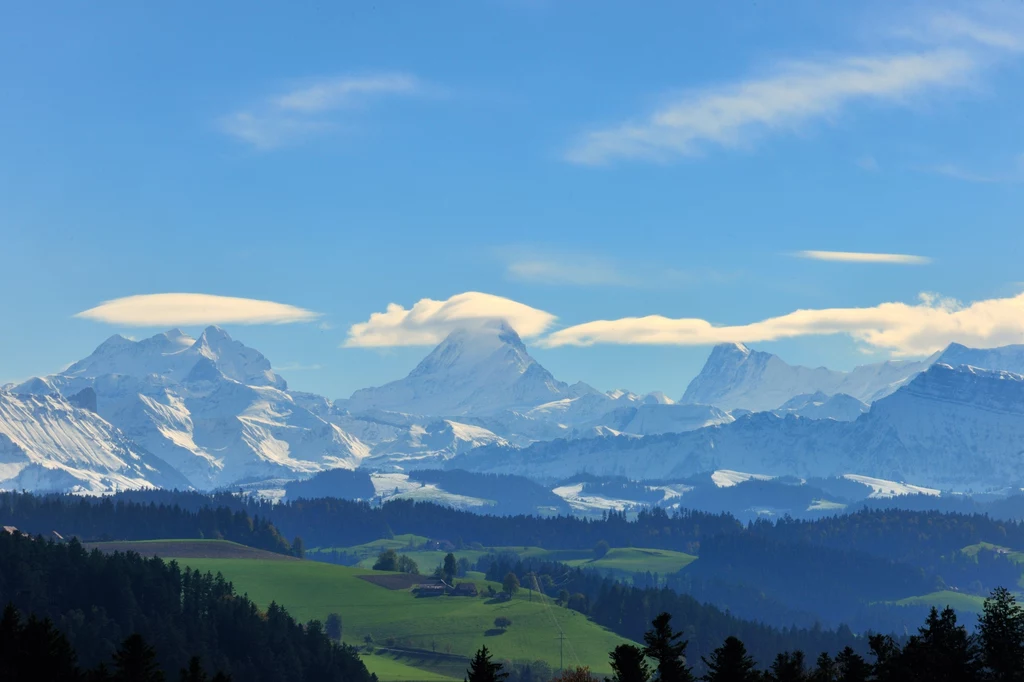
(587, 162)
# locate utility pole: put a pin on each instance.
(561, 662)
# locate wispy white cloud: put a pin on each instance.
(901, 329)
(157, 310)
(573, 270)
(429, 321)
(311, 108)
(1014, 175)
(858, 257)
(336, 93)
(799, 92)
(951, 27)
(795, 93)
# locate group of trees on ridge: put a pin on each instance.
(941, 651)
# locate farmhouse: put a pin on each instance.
(426, 590)
(465, 590)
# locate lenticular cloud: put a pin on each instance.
(155, 310)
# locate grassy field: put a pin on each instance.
(1012, 555)
(962, 603)
(621, 562)
(629, 560)
(454, 625)
(395, 670)
(972, 550)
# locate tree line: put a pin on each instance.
(941, 651)
(122, 518)
(88, 606)
(627, 610)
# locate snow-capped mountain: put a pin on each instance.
(736, 377)
(948, 428)
(1005, 358)
(210, 407)
(476, 370)
(841, 407)
(589, 407)
(173, 354)
(655, 418)
(173, 410)
(425, 444)
(48, 444)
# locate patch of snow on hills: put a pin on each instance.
(881, 488)
(725, 478)
(573, 495)
(398, 487)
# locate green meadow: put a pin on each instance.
(397, 618)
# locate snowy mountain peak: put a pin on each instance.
(468, 346)
(1007, 358)
(236, 360)
(658, 398)
(736, 377)
(728, 349)
(173, 355)
(214, 336)
(475, 370)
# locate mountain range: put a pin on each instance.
(948, 428)
(209, 412)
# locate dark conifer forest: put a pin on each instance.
(76, 612)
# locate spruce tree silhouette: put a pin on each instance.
(629, 663)
(481, 669)
(663, 645)
(730, 663)
(135, 661)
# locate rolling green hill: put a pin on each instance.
(629, 560)
(396, 618)
(962, 603)
(620, 562)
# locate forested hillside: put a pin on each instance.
(98, 601)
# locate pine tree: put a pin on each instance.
(730, 663)
(663, 645)
(851, 667)
(942, 651)
(451, 567)
(194, 672)
(481, 669)
(890, 663)
(629, 664)
(824, 669)
(787, 667)
(135, 661)
(1001, 636)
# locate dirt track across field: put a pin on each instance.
(189, 549)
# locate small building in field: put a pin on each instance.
(465, 590)
(428, 590)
